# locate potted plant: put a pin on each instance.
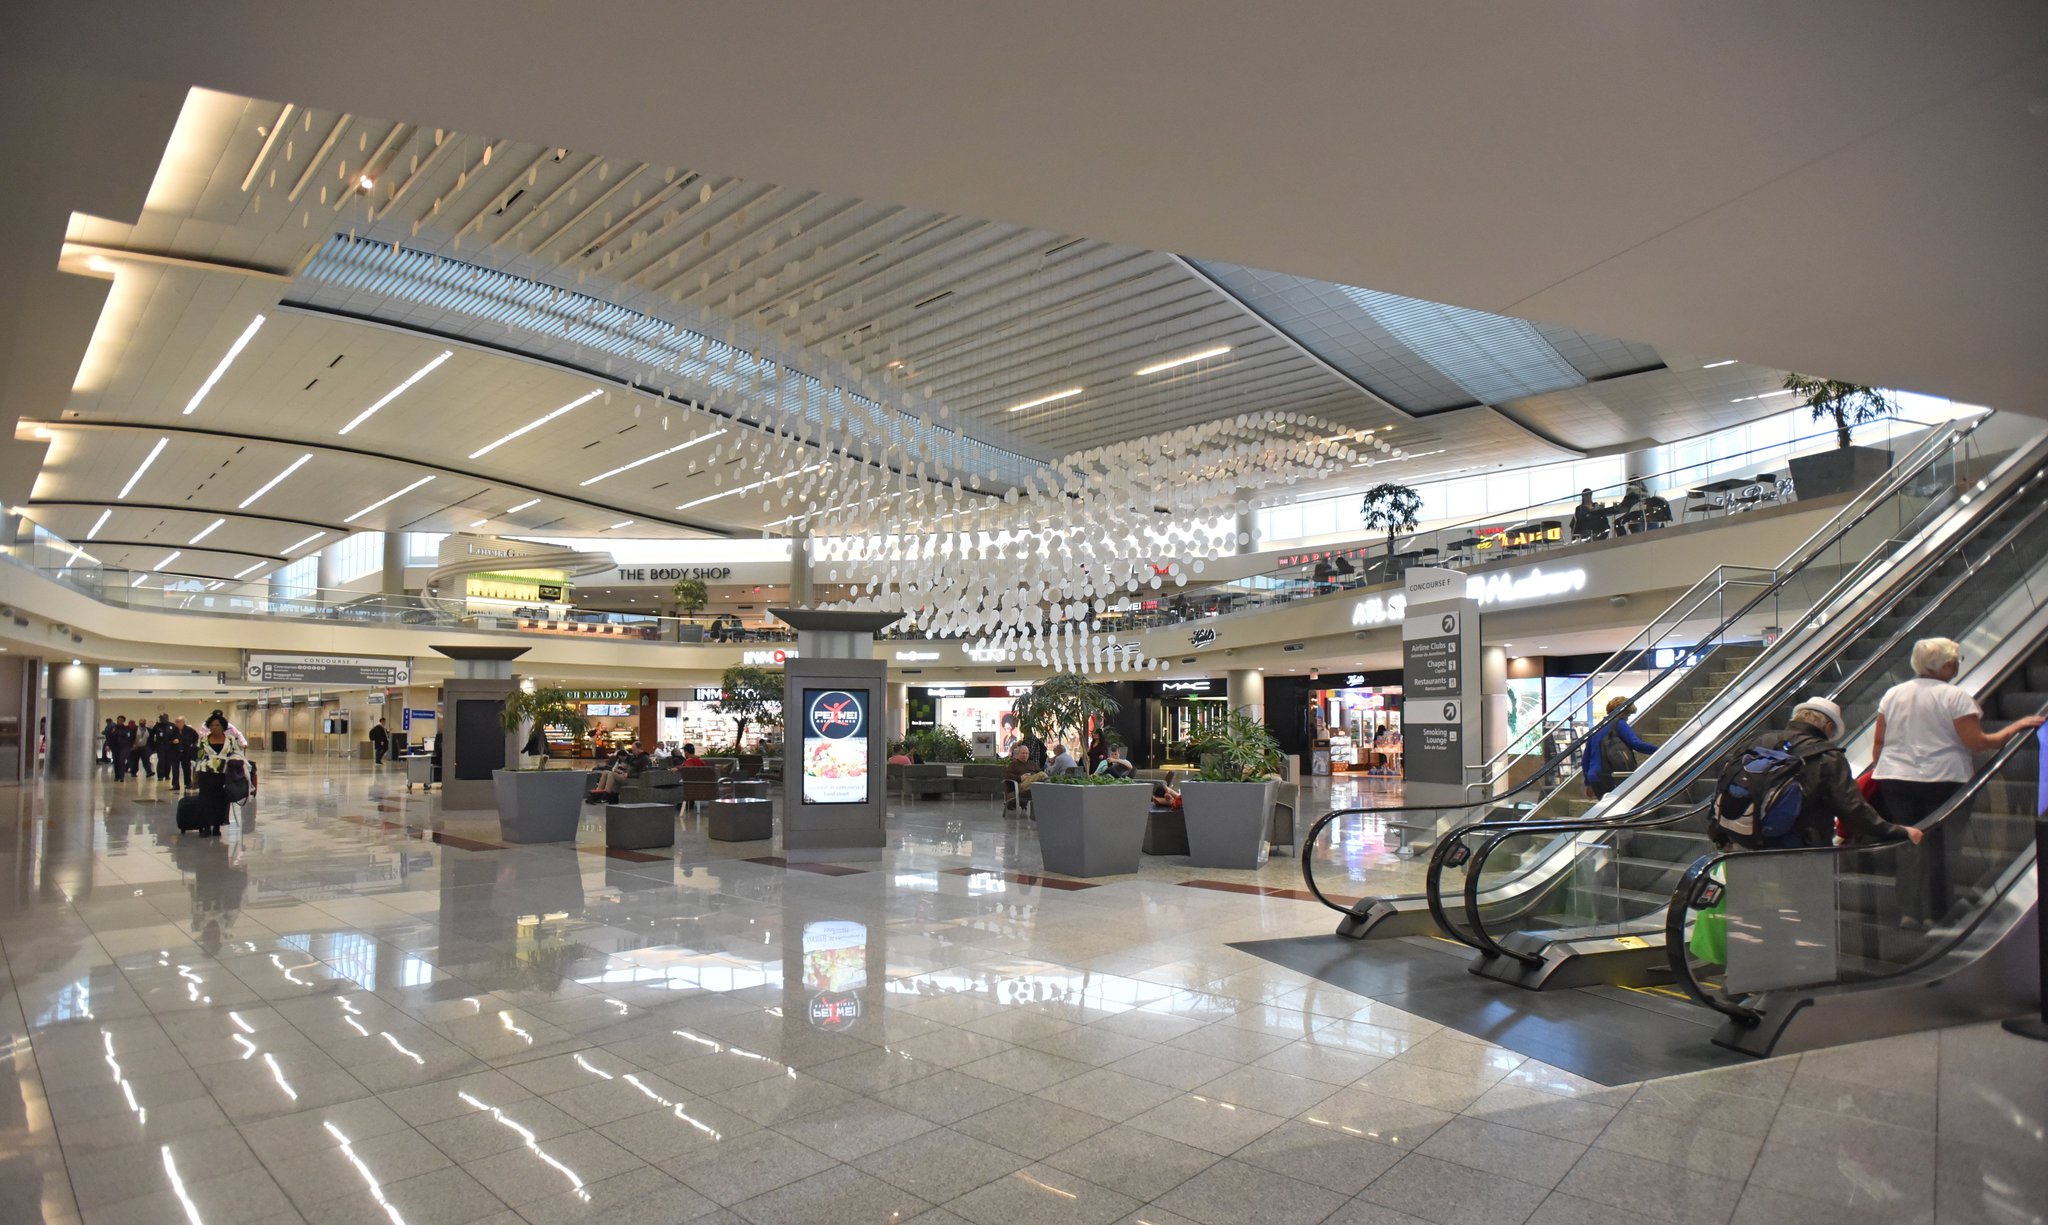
(1847, 466)
(751, 696)
(1091, 825)
(1392, 509)
(1228, 804)
(1064, 704)
(690, 596)
(539, 805)
(937, 745)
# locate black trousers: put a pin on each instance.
(1926, 889)
(176, 769)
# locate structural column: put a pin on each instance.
(800, 572)
(1494, 702)
(394, 564)
(1248, 689)
(74, 719)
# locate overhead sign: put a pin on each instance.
(1379, 610)
(1202, 637)
(767, 659)
(835, 731)
(1428, 584)
(710, 693)
(989, 655)
(913, 657)
(1354, 680)
(1184, 687)
(344, 671)
(1520, 587)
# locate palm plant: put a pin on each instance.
(1850, 404)
(1237, 748)
(1392, 509)
(1063, 702)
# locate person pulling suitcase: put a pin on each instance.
(222, 776)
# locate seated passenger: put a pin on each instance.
(901, 756)
(1020, 771)
(1589, 518)
(1062, 762)
(1114, 765)
(1164, 796)
(690, 757)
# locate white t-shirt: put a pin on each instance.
(1920, 744)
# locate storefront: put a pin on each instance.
(1173, 713)
(983, 715)
(1355, 722)
(691, 716)
(615, 718)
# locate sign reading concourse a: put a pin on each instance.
(344, 671)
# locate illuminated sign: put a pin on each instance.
(669, 574)
(1355, 680)
(767, 659)
(601, 695)
(710, 693)
(835, 746)
(1506, 587)
(946, 691)
(1202, 638)
(916, 656)
(1666, 656)
(1018, 691)
(1184, 687)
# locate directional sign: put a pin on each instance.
(342, 671)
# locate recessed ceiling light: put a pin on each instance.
(174, 555)
(387, 500)
(293, 548)
(273, 482)
(651, 458)
(221, 369)
(149, 459)
(206, 531)
(523, 505)
(1170, 363)
(1725, 362)
(365, 182)
(99, 523)
(397, 391)
(1056, 396)
(537, 422)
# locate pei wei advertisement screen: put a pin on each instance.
(835, 746)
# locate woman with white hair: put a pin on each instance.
(1927, 731)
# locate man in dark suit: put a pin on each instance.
(182, 750)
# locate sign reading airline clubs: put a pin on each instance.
(1431, 666)
(342, 671)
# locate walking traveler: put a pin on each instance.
(180, 751)
(1806, 756)
(107, 744)
(122, 740)
(222, 776)
(1611, 750)
(380, 740)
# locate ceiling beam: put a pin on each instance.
(182, 509)
(240, 436)
(105, 545)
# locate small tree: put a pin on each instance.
(751, 695)
(1850, 404)
(542, 706)
(690, 595)
(1066, 701)
(1392, 509)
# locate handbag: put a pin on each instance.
(234, 781)
(1709, 941)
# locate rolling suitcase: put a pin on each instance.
(195, 815)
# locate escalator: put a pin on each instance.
(1561, 903)
(1823, 945)
(1714, 627)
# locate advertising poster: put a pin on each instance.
(835, 746)
(835, 969)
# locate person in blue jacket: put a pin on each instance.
(1611, 749)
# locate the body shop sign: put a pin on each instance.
(835, 746)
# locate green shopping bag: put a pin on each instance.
(1709, 941)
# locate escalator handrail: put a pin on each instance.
(1646, 817)
(1945, 438)
(1633, 818)
(1675, 947)
(1940, 439)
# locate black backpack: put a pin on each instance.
(1761, 794)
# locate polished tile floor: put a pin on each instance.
(352, 1010)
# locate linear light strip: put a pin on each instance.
(100, 522)
(621, 523)
(1170, 363)
(523, 505)
(387, 500)
(293, 548)
(251, 570)
(1054, 398)
(154, 451)
(537, 422)
(173, 556)
(1728, 361)
(651, 458)
(750, 488)
(273, 482)
(206, 531)
(397, 391)
(234, 350)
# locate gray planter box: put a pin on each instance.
(1226, 823)
(639, 827)
(538, 805)
(689, 633)
(1090, 831)
(1838, 471)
